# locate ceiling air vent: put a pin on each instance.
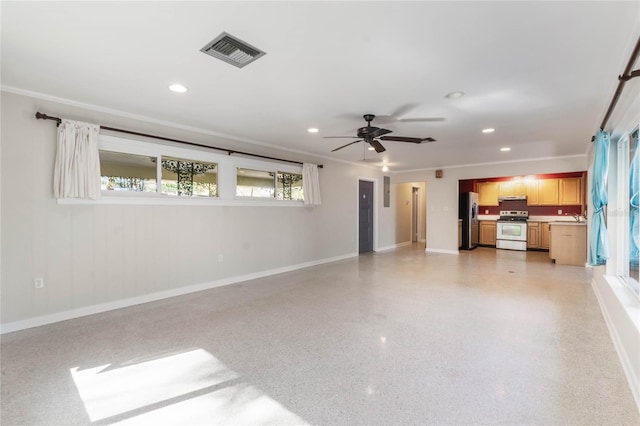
(232, 50)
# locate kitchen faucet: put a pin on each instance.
(576, 217)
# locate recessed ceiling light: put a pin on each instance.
(312, 130)
(489, 130)
(505, 149)
(385, 168)
(454, 95)
(178, 88)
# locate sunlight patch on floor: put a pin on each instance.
(188, 388)
(240, 404)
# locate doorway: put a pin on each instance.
(414, 214)
(365, 216)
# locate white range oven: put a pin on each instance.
(511, 230)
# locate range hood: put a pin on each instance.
(513, 198)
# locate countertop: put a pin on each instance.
(550, 219)
(565, 223)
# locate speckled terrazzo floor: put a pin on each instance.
(392, 338)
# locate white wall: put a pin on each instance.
(97, 257)
(442, 194)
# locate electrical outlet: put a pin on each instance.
(220, 257)
(38, 283)
(559, 211)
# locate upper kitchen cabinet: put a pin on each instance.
(542, 192)
(532, 193)
(555, 192)
(552, 191)
(488, 193)
(511, 188)
(570, 191)
(548, 193)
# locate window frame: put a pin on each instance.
(226, 168)
(619, 211)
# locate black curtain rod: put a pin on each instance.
(41, 116)
(622, 80)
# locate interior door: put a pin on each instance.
(365, 216)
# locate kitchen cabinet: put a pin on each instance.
(533, 235)
(545, 239)
(487, 233)
(512, 188)
(570, 191)
(488, 193)
(538, 235)
(539, 192)
(548, 194)
(568, 243)
(532, 192)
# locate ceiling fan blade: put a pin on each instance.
(405, 139)
(422, 120)
(404, 109)
(379, 132)
(377, 146)
(340, 137)
(344, 146)
(396, 114)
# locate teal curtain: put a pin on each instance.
(634, 184)
(598, 246)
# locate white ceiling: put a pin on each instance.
(540, 73)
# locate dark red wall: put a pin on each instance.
(533, 210)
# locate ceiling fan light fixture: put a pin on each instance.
(371, 148)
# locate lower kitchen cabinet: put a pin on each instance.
(545, 239)
(538, 235)
(533, 235)
(568, 244)
(487, 233)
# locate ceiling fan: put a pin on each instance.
(373, 135)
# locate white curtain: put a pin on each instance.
(311, 184)
(77, 167)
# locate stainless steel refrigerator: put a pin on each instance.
(468, 212)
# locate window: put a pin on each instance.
(289, 186)
(633, 225)
(189, 178)
(625, 219)
(127, 172)
(141, 172)
(255, 183)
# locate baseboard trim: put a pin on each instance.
(633, 381)
(394, 246)
(435, 250)
(124, 303)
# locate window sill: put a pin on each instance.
(627, 298)
(165, 200)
